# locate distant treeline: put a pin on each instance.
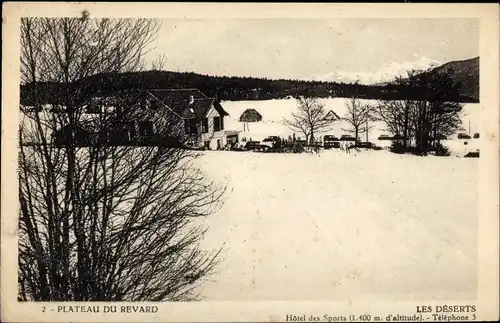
(221, 87)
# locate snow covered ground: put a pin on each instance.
(334, 226)
(370, 225)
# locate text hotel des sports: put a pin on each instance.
(440, 313)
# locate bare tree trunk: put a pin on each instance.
(405, 127)
(357, 116)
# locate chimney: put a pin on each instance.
(191, 99)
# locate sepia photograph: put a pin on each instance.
(278, 159)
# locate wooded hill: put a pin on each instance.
(252, 88)
(467, 73)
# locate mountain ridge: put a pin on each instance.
(466, 72)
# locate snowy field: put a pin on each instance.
(334, 226)
(370, 225)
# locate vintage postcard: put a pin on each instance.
(209, 162)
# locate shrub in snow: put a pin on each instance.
(442, 150)
(398, 148)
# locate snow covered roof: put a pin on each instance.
(187, 103)
(331, 115)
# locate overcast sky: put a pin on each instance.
(299, 48)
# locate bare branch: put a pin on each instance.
(159, 63)
(102, 221)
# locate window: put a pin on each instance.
(190, 126)
(217, 124)
(154, 105)
(204, 125)
(146, 128)
(132, 132)
(118, 136)
(232, 139)
(93, 108)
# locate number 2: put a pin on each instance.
(43, 309)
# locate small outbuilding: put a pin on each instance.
(250, 115)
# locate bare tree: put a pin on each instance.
(310, 120)
(358, 116)
(99, 220)
(399, 115)
(396, 116)
(159, 63)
